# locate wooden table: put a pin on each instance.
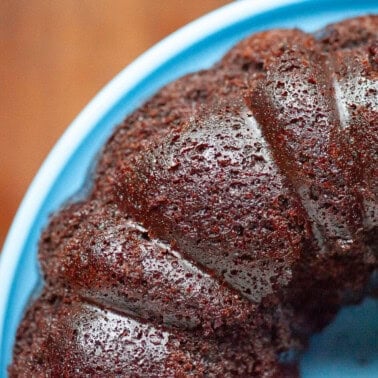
(55, 56)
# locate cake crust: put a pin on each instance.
(230, 217)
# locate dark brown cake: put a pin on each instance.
(231, 216)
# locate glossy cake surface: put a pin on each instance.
(230, 218)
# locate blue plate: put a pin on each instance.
(348, 347)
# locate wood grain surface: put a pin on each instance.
(55, 56)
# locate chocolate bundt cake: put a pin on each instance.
(230, 217)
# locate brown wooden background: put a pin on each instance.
(55, 56)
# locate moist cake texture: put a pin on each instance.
(230, 218)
